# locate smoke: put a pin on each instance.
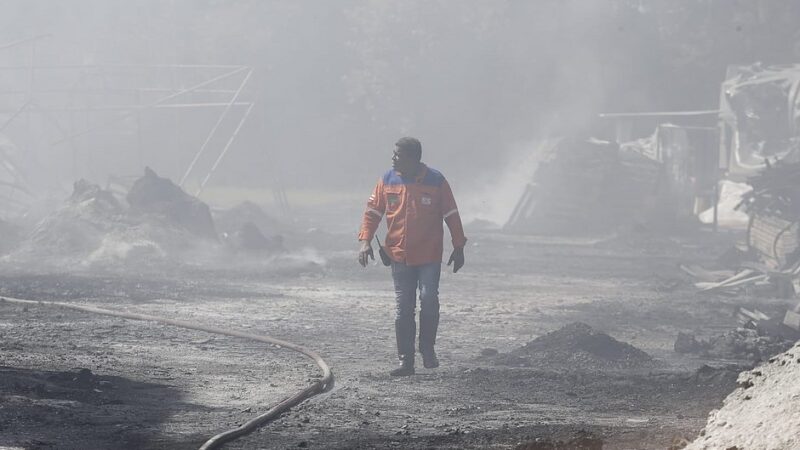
(482, 84)
(334, 81)
(495, 200)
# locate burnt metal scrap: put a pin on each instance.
(744, 343)
(769, 262)
(774, 210)
(760, 116)
(776, 191)
(760, 141)
(757, 123)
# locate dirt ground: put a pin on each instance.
(72, 380)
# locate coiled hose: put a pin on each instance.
(324, 384)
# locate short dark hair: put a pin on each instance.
(411, 145)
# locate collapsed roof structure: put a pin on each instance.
(756, 125)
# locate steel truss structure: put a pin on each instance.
(48, 111)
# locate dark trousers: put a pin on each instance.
(406, 281)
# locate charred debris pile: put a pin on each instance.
(155, 220)
(576, 345)
(766, 263)
(774, 210)
(769, 258)
(582, 186)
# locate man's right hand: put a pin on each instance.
(365, 253)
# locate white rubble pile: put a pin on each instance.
(93, 228)
(762, 413)
(156, 225)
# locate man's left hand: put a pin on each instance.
(457, 259)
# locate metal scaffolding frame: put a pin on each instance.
(56, 107)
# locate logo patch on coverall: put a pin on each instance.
(426, 200)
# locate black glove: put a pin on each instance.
(457, 259)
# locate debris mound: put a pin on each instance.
(763, 412)
(93, 228)
(94, 198)
(576, 338)
(247, 228)
(159, 227)
(741, 343)
(582, 186)
(249, 239)
(576, 346)
(235, 218)
(78, 225)
(706, 375)
(768, 262)
(160, 197)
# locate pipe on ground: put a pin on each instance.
(251, 425)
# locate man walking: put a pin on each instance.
(416, 199)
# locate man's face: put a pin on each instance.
(402, 161)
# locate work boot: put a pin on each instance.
(405, 328)
(429, 359)
(406, 368)
(428, 324)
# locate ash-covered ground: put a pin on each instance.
(545, 342)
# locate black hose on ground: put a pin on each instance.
(324, 384)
